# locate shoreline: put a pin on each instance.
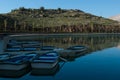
(56, 34)
(62, 34)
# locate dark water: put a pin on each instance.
(101, 62)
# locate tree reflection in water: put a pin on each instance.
(94, 42)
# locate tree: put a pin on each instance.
(59, 10)
(21, 8)
(42, 9)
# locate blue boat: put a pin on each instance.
(18, 49)
(47, 48)
(45, 61)
(24, 42)
(13, 49)
(17, 63)
(32, 45)
(29, 49)
(77, 48)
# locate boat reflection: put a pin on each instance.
(46, 71)
(72, 55)
(14, 73)
(94, 42)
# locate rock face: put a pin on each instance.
(117, 18)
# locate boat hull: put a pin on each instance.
(43, 65)
(45, 72)
(14, 73)
(13, 66)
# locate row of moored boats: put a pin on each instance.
(33, 60)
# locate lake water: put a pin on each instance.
(100, 62)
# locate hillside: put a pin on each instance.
(54, 20)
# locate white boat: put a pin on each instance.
(45, 61)
(16, 63)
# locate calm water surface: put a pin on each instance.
(101, 62)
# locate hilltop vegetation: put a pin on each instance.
(54, 20)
